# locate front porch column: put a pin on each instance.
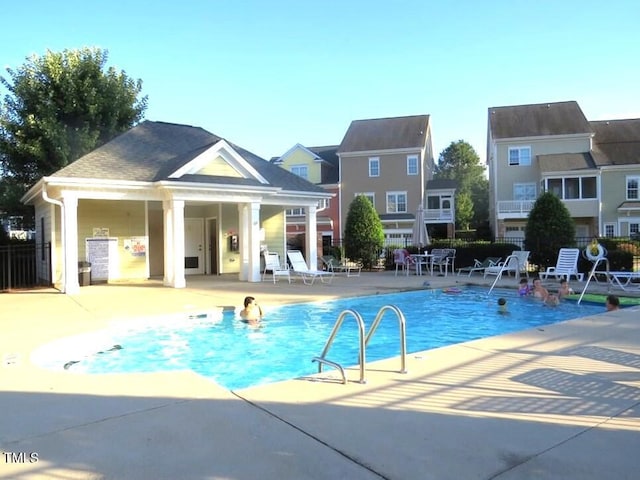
(249, 241)
(70, 246)
(173, 214)
(311, 239)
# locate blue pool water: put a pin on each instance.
(236, 355)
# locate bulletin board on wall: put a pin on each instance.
(102, 253)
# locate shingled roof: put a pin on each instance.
(151, 151)
(561, 118)
(329, 154)
(616, 142)
(385, 134)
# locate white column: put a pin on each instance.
(173, 212)
(70, 225)
(243, 239)
(311, 237)
(249, 221)
(167, 217)
(254, 243)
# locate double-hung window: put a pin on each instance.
(633, 188)
(412, 165)
(396, 202)
(374, 166)
(520, 156)
(369, 196)
(524, 191)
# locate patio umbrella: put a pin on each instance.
(420, 235)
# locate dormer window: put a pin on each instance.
(301, 171)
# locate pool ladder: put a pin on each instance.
(364, 341)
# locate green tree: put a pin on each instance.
(61, 106)
(464, 210)
(549, 228)
(363, 233)
(460, 162)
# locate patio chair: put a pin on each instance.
(300, 268)
(444, 259)
(402, 260)
(272, 265)
(566, 265)
(515, 263)
(332, 264)
(479, 266)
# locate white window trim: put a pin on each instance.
(614, 228)
(371, 161)
(406, 201)
(626, 184)
(370, 195)
(298, 167)
(519, 149)
(535, 188)
(409, 158)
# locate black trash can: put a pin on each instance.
(84, 273)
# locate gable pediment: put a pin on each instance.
(220, 160)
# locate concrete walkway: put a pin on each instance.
(558, 402)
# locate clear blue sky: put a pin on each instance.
(269, 74)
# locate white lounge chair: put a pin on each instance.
(272, 265)
(624, 280)
(479, 266)
(515, 263)
(566, 265)
(300, 268)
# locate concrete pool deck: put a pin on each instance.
(558, 402)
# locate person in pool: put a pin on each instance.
(252, 312)
(612, 303)
(523, 287)
(564, 289)
(502, 306)
(538, 290)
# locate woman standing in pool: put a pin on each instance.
(252, 312)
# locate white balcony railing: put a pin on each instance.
(514, 208)
(437, 215)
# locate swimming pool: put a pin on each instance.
(235, 355)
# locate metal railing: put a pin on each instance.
(25, 265)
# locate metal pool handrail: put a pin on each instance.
(362, 356)
(403, 332)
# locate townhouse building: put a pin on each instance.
(593, 167)
(388, 160)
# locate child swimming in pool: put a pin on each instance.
(502, 306)
(252, 312)
(523, 287)
(564, 289)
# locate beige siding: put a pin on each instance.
(230, 261)
(393, 178)
(508, 175)
(125, 220)
(272, 220)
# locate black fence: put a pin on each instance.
(25, 265)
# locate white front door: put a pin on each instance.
(193, 246)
